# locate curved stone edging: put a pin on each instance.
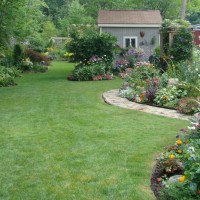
(111, 97)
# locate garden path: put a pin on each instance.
(111, 97)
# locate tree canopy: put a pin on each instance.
(43, 18)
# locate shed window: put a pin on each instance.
(130, 41)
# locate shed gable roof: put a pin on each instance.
(129, 17)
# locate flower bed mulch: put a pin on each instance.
(157, 173)
(156, 185)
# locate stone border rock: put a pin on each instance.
(111, 97)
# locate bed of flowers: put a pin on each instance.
(96, 68)
(176, 175)
(177, 88)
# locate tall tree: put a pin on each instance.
(183, 9)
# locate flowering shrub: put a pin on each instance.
(120, 65)
(96, 68)
(134, 55)
(26, 65)
(187, 106)
(182, 158)
(165, 95)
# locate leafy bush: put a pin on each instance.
(185, 151)
(89, 72)
(96, 68)
(7, 76)
(166, 95)
(188, 105)
(192, 90)
(85, 46)
(189, 71)
(26, 65)
(142, 72)
(37, 57)
(182, 45)
(39, 68)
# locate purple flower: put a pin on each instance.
(182, 130)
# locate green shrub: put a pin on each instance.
(7, 76)
(188, 105)
(87, 72)
(143, 71)
(17, 54)
(182, 45)
(26, 65)
(166, 95)
(192, 90)
(85, 46)
(176, 191)
(39, 68)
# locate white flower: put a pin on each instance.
(191, 150)
(191, 128)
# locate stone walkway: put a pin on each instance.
(111, 97)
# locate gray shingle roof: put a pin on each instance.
(129, 17)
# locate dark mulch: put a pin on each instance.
(156, 184)
(157, 173)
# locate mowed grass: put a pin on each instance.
(59, 140)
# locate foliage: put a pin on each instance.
(96, 68)
(182, 46)
(192, 90)
(143, 82)
(49, 30)
(37, 57)
(134, 55)
(143, 71)
(189, 71)
(36, 43)
(186, 152)
(26, 65)
(7, 76)
(151, 90)
(39, 68)
(17, 54)
(166, 95)
(188, 105)
(120, 65)
(84, 47)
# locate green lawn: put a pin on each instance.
(59, 140)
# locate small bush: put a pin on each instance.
(188, 106)
(37, 57)
(7, 76)
(39, 68)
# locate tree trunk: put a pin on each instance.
(183, 9)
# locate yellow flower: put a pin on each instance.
(180, 151)
(172, 156)
(179, 142)
(49, 49)
(182, 178)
